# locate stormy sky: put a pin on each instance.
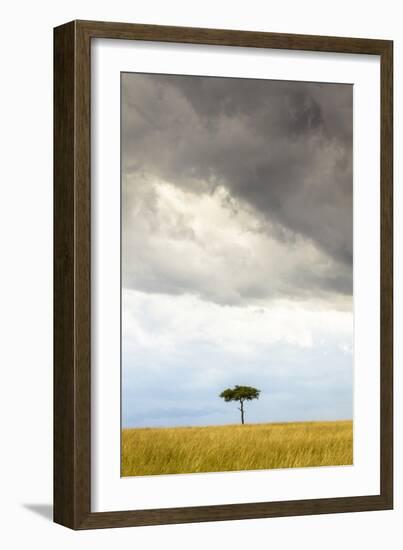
(236, 249)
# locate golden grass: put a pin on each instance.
(150, 451)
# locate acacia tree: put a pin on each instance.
(241, 394)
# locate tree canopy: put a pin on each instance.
(240, 393)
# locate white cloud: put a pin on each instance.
(218, 248)
(168, 323)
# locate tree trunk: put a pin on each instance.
(242, 415)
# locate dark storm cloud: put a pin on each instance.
(283, 148)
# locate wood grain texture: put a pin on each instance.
(64, 382)
(387, 273)
(72, 259)
(221, 37)
(72, 274)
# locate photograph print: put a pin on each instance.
(236, 274)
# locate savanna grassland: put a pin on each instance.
(149, 451)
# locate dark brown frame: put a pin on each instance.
(72, 291)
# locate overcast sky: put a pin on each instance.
(236, 249)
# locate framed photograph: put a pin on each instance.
(223, 280)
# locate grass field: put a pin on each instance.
(149, 451)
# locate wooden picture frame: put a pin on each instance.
(72, 271)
